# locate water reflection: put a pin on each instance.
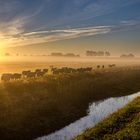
(97, 111)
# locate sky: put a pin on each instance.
(45, 26)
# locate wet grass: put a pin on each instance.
(36, 107)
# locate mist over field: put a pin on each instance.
(60, 58)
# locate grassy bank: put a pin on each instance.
(121, 125)
(37, 107)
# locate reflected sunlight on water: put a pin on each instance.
(97, 111)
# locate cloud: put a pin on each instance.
(19, 38)
(75, 12)
(56, 35)
(42, 14)
(31, 22)
(128, 22)
(18, 15)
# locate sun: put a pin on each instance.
(3, 45)
(3, 41)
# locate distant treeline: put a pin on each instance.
(88, 54)
(127, 55)
(67, 54)
(52, 54)
(97, 53)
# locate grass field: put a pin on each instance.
(36, 107)
(121, 125)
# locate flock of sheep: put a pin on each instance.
(24, 74)
(40, 73)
